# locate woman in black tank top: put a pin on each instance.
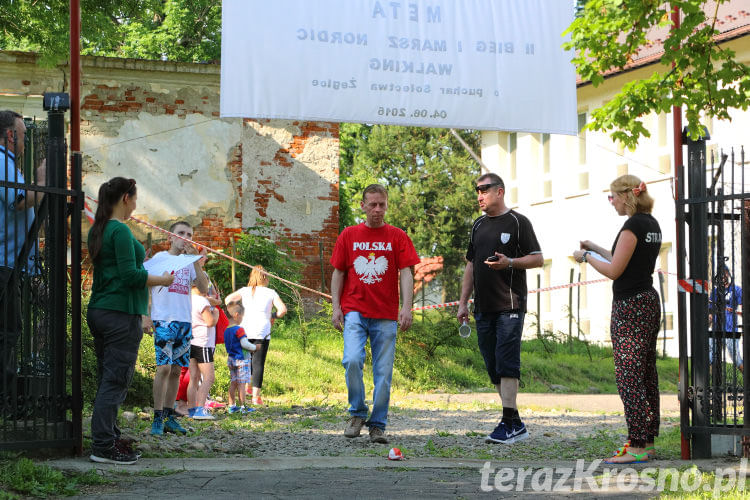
(635, 313)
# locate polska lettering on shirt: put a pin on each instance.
(653, 237)
(383, 246)
(181, 283)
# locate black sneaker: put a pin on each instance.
(508, 434)
(113, 455)
(126, 446)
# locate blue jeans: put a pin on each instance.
(382, 333)
(499, 339)
(733, 346)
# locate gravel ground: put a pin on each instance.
(420, 428)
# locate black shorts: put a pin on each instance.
(499, 339)
(202, 354)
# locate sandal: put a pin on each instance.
(624, 449)
(640, 458)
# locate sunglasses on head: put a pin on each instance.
(482, 188)
(611, 197)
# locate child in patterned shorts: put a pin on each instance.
(239, 358)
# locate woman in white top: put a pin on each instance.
(258, 301)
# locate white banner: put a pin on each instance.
(481, 64)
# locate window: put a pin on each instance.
(662, 129)
(540, 278)
(513, 149)
(581, 139)
(579, 178)
(541, 161)
(583, 181)
(546, 177)
(546, 282)
(712, 157)
(620, 148)
(511, 183)
(665, 164)
(585, 326)
(709, 121)
(666, 248)
(583, 269)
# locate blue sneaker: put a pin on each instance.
(508, 434)
(200, 413)
(191, 412)
(247, 409)
(157, 427)
(172, 425)
(234, 409)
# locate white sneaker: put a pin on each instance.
(202, 414)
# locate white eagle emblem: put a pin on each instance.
(369, 270)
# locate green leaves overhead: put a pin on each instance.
(694, 72)
(177, 30)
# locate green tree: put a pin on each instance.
(261, 245)
(695, 72)
(429, 177)
(177, 30)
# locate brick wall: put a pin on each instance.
(214, 230)
(158, 122)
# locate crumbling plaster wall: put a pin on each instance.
(159, 123)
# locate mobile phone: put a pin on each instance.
(493, 258)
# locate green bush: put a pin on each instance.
(305, 359)
(261, 245)
(140, 392)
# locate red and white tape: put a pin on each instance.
(560, 287)
(692, 286)
(686, 285)
(216, 252)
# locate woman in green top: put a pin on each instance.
(119, 296)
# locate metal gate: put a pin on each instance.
(40, 403)
(713, 391)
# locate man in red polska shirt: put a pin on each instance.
(371, 261)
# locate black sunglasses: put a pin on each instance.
(482, 188)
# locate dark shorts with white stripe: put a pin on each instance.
(202, 354)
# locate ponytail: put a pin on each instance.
(110, 194)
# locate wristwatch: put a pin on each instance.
(583, 257)
(510, 263)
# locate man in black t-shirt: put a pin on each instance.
(502, 246)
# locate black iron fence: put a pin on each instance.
(713, 228)
(40, 398)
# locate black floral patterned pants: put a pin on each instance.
(634, 328)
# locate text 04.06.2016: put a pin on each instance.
(416, 113)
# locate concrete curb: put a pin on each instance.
(83, 464)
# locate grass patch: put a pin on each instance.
(22, 477)
(429, 357)
(690, 483)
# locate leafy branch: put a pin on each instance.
(694, 72)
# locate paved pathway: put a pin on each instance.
(348, 477)
(376, 477)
